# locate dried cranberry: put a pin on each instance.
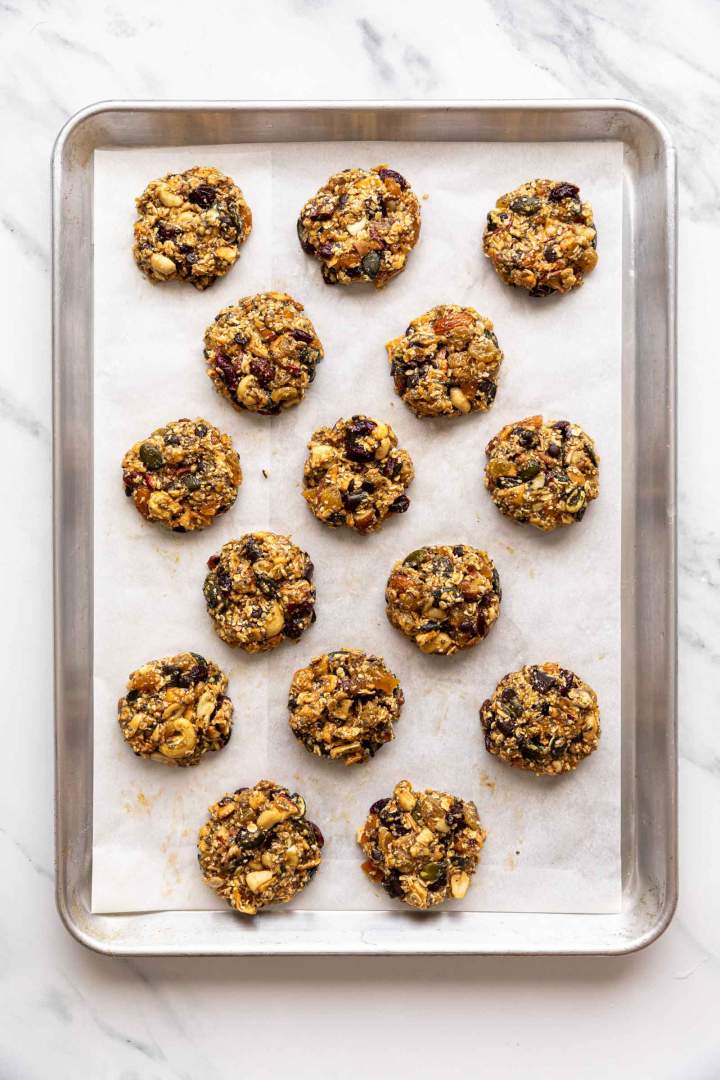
(263, 370)
(563, 426)
(391, 467)
(390, 174)
(213, 562)
(563, 191)
(226, 369)
(203, 195)
(301, 335)
(325, 251)
(400, 505)
(304, 244)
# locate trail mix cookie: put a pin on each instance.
(362, 225)
(545, 474)
(343, 705)
(542, 238)
(262, 352)
(355, 474)
(190, 225)
(176, 709)
(447, 362)
(183, 475)
(422, 846)
(445, 598)
(258, 848)
(259, 591)
(542, 718)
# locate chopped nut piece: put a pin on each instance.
(159, 692)
(424, 856)
(259, 591)
(343, 705)
(251, 864)
(543, 718)
(190, 226)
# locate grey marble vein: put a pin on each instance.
(19, 416)
(373, 44)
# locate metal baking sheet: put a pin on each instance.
(648, 718)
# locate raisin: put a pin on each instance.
(251, 550)
(132, 695)
(550, 253)
(392, 884)
(167, 232)
(554, 451)
(241, 340)
(325, 251)
(379, 805)
(172, 439)
(223, 580)
(213, 562)
(562, 191)
(302, 335)
(400, 505)
(488, 388)
(304, 244)
(541, 681)
(201, 431)
(353, 500)
(525, 437)
(203, 195)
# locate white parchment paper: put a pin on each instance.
(553, 844)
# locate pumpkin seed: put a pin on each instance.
(150, 456)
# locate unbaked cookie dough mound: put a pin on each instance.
(422, 846)
(362, 225)
(544, 474)
(262, 352)
(444, 598)
(542, 718)
(257, 847)
(343, 705)
(176, 709)
(355, 474)
(542, 238)
(190, 225)
(259, 591)
(183, 475)
(447, 362)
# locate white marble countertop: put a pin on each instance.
(69, 1013)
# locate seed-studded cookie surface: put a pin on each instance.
(543, 718)
(362, 225)
(258, 848)
(445, 598)
(541, 237)
(447, 362)
(545, 474)
(190, 225)
(422, 846)
(176, 709)
(262, 352)
(259, 591)
(183, 475)
(355, 474)
(343, 705)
